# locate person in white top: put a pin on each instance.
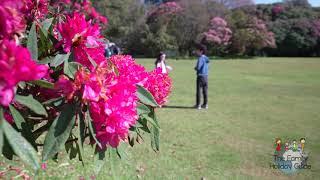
(161, 63)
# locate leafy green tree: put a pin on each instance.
(122, 17)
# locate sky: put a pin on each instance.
(312, 2)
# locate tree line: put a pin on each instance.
(226, 27)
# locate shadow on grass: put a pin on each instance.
(178, 107)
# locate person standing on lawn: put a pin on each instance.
(161, 63)
(202, 69)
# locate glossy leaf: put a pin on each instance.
(142, 109)
(1, 130)
(151, 121)
(59, 132)
(155, 133)
(43, 83)
(113, 156)
(92, 130)
(18, 119)
(81, 133)
(100, 160)
(121, 150)
(92, 61)
(32, 104)
(46, 25)
(59, 59)
(145, 96)
(20, 146)
(32, 43)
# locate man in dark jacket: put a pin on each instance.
(202, 69)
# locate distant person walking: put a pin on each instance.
(202, 69)
(161, 63)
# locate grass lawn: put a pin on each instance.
(251, 102)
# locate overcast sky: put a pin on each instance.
(312, 2)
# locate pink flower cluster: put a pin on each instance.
(156, 82)
(83, 37)
(165, 9)
(82, 7)
(35, 9)
(316, 29)
(110, 91)
(277, 9)
(219, 32)
(16, 65)
(88, 8)
(159, 85)
(11, 18)
(112, 100)
(129, 69)
(259, 29)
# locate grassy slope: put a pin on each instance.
(250, 103)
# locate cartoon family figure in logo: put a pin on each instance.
(288, 146)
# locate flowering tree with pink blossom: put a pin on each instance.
(163, 11)
(219, 33)
(56, 82)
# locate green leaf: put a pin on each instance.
(46, 60)
(44, 44)
(91, 129)
(70, 67)
(1, 131)
(142, 109)
(32, 43)
(92, 61)
(151, 121)
(18, 119)
(121, 150)
(59, 132)
(71, 149)
(145, 96)
(22, 84)
(46, 25)
(81, 135)
(1, 140)
(155, 133)
(113, 155)
(20, 146)
(99, 161)
(43, 83)
(50, 101)
(32, 104)
(59, 59)
(74, 67)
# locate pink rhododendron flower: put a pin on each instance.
(112, 102)
(11, 18)
(113, 117)
(65, 86)
(165, 10)
(91, 11)
(81, 55)
(75, 31)
(219, 32)
(16, 65)
(277, 9)
(129, 69)
(44, 166)
(36, 9)
(159, 85)
(83, 37)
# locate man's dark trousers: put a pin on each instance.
(202, 83)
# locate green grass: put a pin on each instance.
(251, 102)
